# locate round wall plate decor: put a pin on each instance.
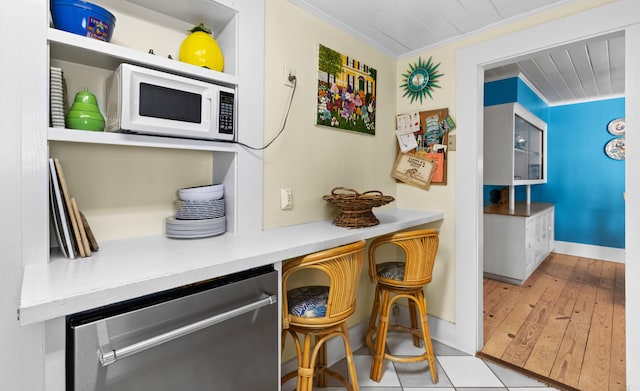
(615, 148)
(617, 127)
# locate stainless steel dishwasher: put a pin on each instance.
(220, 334)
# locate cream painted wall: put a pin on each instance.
(312, 160)
(129, 191)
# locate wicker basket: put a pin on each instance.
(355, 208)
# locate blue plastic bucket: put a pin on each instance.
(83, 18)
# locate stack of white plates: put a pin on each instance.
(56, 97)
(200, 213)
(193, 229)
(200, 210)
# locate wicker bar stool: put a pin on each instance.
(397, 280)
(319, 313)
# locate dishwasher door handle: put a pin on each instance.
(109, 357)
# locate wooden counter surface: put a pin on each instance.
(521, 209)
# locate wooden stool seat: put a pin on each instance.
(402, 280)
(319, 313)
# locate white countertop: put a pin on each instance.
(126, 269)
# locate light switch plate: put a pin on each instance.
(451, 142)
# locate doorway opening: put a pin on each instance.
(469, 232)
(565, 323)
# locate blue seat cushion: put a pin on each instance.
(308, 301)
(391, 270)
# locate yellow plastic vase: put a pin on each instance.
(200, 49)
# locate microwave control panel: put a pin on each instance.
(225, 120)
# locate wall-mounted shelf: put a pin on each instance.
(92, 52)
(138, 140)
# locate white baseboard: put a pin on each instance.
(590, 251)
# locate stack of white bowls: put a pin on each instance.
(200, 213)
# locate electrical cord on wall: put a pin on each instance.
(293, 80)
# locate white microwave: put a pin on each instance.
(147, 101)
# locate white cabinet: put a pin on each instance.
(515, 145)
(516, 243)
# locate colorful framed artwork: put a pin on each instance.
(346, 96)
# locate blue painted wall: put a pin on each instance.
(515, 90)
(583, 183)
(501, 91)
(532, 102)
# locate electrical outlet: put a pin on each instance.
(288, 72)
(286, 198)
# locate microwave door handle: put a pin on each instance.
(111, 356)
(208, 108)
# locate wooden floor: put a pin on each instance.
(566, 323)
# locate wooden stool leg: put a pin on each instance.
(375, 309)
(283, 339)
(431, 357)
(413, 315)
(321, 364)
(371, 329)
(349, 353)
(381, 338)
(305, 371)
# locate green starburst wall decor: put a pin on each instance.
(420, 80)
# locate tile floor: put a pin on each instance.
(456, 371)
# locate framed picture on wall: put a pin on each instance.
(346, 94)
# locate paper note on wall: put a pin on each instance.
(433, 133)
(438, 171)
(406, 142)
(408, 123)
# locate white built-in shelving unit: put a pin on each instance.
(515, 148)
(144, 25)
(517, 236)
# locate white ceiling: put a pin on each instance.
(584, 71)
